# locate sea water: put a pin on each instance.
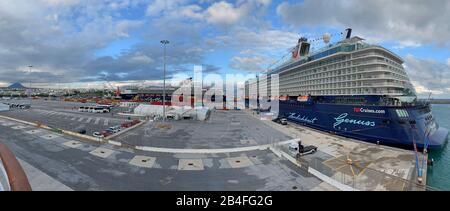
(439, 174)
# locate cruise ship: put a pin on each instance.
(356, 90)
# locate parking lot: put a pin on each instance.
(58, 162)
(65, 115)
(224, 129)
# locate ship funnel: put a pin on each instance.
(349, 33)
(304, 46)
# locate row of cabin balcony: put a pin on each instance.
(344, 85)
(345, 92)
(377, 67)
(338, 58)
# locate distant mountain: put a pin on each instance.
(16, 85)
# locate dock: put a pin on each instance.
(354, 164)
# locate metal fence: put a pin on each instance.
(356, 176)
(365, 178)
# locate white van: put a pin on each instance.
(98, 110)
(90, 109)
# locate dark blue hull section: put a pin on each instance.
(387, 125)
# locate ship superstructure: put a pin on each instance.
(353, 89)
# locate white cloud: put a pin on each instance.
(62, 2)
(263, 41)
(404, 21)
(158, 6)
(423, 90)
(448, 62)
(141, 58)
(57, 37)
(428, 75)
(224, 13)
(255, 63)
(192, 11)
(219, 13)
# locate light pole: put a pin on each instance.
(164, 42)
(29, 83)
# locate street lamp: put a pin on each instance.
(164, 42)
(29, 83)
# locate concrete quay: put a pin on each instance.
(355, 164)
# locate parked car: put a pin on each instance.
(106, 133)
(305, 150)
(115, 129)
(293, 146)
(98, 135)
(280, 120)
(126, 124)
(136, 121)
(82, 131)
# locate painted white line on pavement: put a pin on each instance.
(211, 151)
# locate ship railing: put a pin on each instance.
(12, 176)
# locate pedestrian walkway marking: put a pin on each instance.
(143, 161)
(97, 120)
(42, 112)
(7, 124)
(102, 152)
(89, 120)
(33, 131)
(49, 136)
(18, 127)
(81, 119)
(106, 122)
(190, 165)
(73, 144)
(239, 162)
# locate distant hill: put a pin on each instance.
(16, 85)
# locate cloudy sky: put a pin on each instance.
(83, 43)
